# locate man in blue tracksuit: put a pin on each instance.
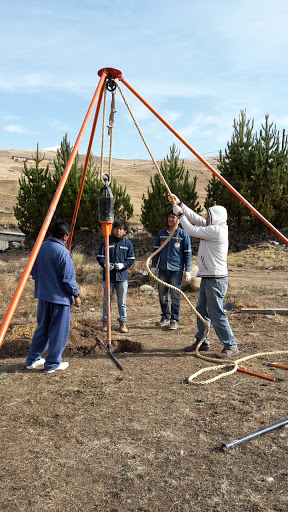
(55, 287)
(121, 257)
(172, 261)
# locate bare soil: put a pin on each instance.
(97, 438)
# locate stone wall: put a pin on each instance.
(143, 243)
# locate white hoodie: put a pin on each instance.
(213, 247)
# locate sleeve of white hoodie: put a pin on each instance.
(195, 225)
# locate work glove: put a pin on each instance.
(177, 209)
(173, 199)
(153, 270)
(187, 277)
(119, 266)
(111, 266)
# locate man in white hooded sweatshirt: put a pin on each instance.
(212, 264)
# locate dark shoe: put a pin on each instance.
(203, 348)
(173, 325)
(227, 353)
(163, 321)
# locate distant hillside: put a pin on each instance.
(133, 174)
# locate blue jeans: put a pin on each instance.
(210, 306)
(174, 278)
(121, 288)
(52, 332)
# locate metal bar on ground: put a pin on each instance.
(110, 354)
(244, 370)
(240, 440)
(277, 365)
(265, 311)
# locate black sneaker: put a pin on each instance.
(173, 325)
(203, 348)
(163, 321)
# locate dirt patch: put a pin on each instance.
(142, 440)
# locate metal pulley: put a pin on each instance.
(105, 201)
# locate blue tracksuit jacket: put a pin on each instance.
(176, 255)
(120, 251)
(54, 274)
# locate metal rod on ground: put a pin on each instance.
(277, 365)
(240, 440)
(110, 354)
(244, 370)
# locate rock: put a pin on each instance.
(193, 286)
(146, 288)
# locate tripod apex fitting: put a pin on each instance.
(114, 73)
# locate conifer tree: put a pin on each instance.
(155, 207)
(256, 166)
(34, 196)
(235, 165)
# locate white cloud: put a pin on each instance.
(52, 148)
(15, 128)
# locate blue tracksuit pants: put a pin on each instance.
(52, 333)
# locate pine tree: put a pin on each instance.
(34, 197)
(235, 166)
(270, 178)
(256, 166)
(67, 201)
(155, 207)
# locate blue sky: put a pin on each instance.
(196, 62)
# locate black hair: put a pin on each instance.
(119, 224)
(171, 213)
(60, 228)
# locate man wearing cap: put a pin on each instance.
(212, 264)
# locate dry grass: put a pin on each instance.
(142, 440)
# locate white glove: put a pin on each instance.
(111, 266)
(187, 277)
(119, 266)
(173, 199)
(153, 270)
(177, 209)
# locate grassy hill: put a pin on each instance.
(133, 174)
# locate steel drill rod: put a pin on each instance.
(240, 440)
(110, 354)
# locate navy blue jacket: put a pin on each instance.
(54, 274)
(176, 255)
(120, 251)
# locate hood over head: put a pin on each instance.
(217, 214)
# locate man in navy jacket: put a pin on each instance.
(174, 258)
(55, 288)
(121, 257)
